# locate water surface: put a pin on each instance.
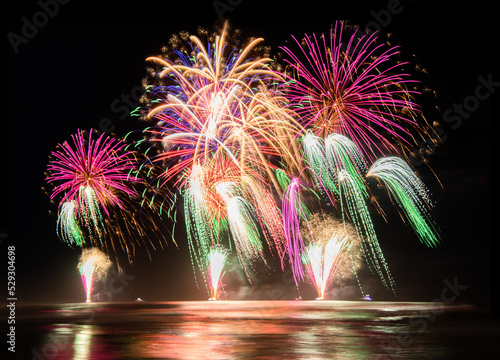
(209, 330)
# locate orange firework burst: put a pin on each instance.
(221, 128)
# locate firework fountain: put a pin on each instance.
(333, 251)
(216, 262)
(323, 261)
(93, 265)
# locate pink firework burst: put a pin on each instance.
(92, 171)
(351, 84)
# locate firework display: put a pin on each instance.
(99, 182)
(256, 157)
(341, 173)
(220, 130)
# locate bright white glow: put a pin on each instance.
(195, 182)
(87, 272)
(325, 260)
(216, 265)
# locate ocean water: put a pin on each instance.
(206, 330)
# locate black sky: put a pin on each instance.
(89, 55)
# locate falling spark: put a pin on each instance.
(67, 225)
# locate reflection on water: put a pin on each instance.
(81, 346)
(255, 330)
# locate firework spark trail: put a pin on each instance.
(352, 85)
(87, 273)
(282, 178)
(244, 231)
(327, 158)
(410, 194)
(312, 258)
(217, 260)
(333, 253)
(269, 218)
(93, 265)
(360, 216)
(314, 151)
(67, 225)
(292, 211)
(200, 237)
(343, 155)
(90, 212)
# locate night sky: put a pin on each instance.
(79, 67)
